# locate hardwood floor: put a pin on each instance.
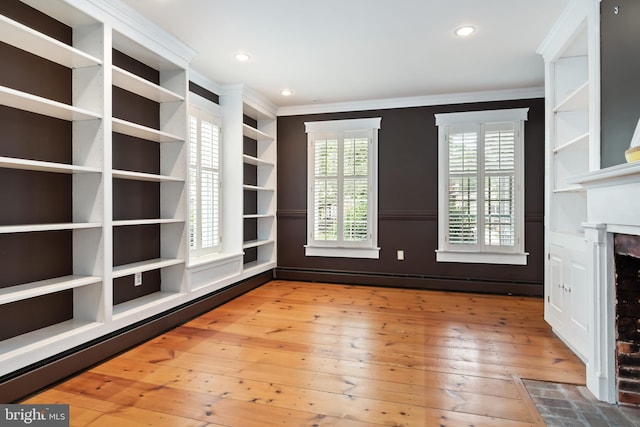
(310, 354)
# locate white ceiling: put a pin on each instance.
(331, 51)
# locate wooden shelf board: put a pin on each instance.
(144, 302)
(576, 100)
(121, 223)
(254, 133)
(249, 216)
(256, 188)
(45, 336)
(132, 83)
(581, 141)
(255, 243)
(46, 107)
(40, 166)
(27, 228)
(142, 266)
(44, 287)
(258, 265)
(250, 160)
(569, 189)
(140, 176)
(25, 38)
(138, 131)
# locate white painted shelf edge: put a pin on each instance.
(144, 302)
(39, 105)
(258, 266)
(249, 216)
(582, 139)
(40, 338)
(120, 223)
(254, 133)
(255, 243)
(27, 228)
(40, 166)
(25, 38)
(576, 100)
(569, 189)
(132, 83)
(139, 267)
(43, 287)
(140, 176)
(250, 160)
(138, 131)
(257, 188)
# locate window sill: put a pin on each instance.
(482, 257)
(211, 260)
(371, 253)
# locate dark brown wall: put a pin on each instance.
(620, 69)
(408, 195)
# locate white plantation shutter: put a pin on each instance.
(463, 188)
(204, 184)
(355, 199)
(343, 182)
(481, 205)
(326, 190)
(499, 185)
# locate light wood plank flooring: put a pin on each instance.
(311, 354)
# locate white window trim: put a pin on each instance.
(326, 249)
(445, 253)
(201, 108)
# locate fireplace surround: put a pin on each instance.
(613, 208)
(627, 317)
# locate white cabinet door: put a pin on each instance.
(566, 302)
(555, 297)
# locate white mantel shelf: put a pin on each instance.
(616, 175)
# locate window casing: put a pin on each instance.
(204, 183)
(342, 180)
(481, 187)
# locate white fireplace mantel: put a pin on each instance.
(613, 206)
(613, 195)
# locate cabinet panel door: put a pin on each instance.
(577, 311)
(556, 291)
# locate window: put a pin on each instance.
(204, 183)
(342, 203)
(481, 191)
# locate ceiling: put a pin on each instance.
(334, 51)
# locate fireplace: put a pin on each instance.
(613, 284)
(627, 317)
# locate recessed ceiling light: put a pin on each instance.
(465, 31)
(286, 92)
(243, 57)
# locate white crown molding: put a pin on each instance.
(136, 26)
(574, 15)
(418, 101)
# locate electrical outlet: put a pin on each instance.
(400, 255)
(137, 279)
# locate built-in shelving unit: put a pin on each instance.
(157, 178)
(572, 139)
(258, 129)
(94, 226)
(51, 227)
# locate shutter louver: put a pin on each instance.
(355, 189)
(499, 186)
(204, 193)
(326, 190)
(463, 188)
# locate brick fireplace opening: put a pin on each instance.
(627, 317)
